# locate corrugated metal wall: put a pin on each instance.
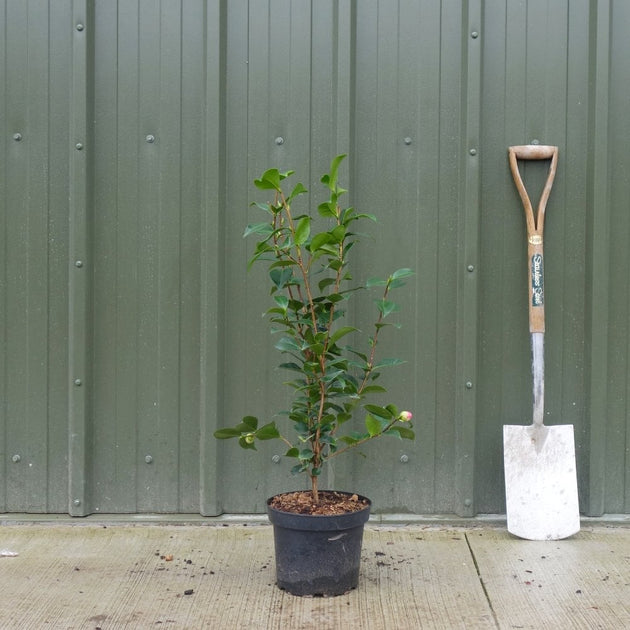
(130, 134)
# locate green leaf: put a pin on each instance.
(328, 439)
(298, 190)
(373, 389)
(332, 375)
(387, 363)
(361, 355)
(331, 250)
(268, 432)
(330, 179)
(386, 307)
(247, 425)
(396, 279)
(280, 276)
(348, 439)
(266, 207)
(269, 180)
(406, 433)
(325, 283)
(224, 434)
(306, 454)
(316, 348)
(303, 230)
(301, 428)
(327, 209)
(251, 422)
(319, 240)
(243, 443)
(392, 409)
(402, 432)
(363, 215)
(283, 263)
(395, 284)
(338, 234)
(266, 229)
(282, 301)
(286, 344)
(402, 273)
(292, 452)
(291, 366)
(375, 282)
(373, 425)
(336, 297)
(261, 249)
(343, 417)
(381, 412)
(338, 334)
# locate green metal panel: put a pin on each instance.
(617, 472)
(212, 314)
(408, 170)
(131, 132)
(466, 382)
(34, 187)
(116, 250)
(598, 262)
(147, 275)
(536, 88)
(80, 261)
(269, 121)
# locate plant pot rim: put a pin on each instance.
(324, 522)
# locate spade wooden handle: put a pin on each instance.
(535, 226)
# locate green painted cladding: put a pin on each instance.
(130, 133)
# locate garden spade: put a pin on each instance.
(539, 461)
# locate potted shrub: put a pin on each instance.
(334, 370)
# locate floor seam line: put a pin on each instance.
(483, 585)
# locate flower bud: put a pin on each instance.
(249, 438)
(405, 416)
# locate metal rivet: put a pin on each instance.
(148, 459)
(80, 27)
(404, 459)
(78, 382)
(15, 459)
(467, 502)
(77, 502)
(473, 151)
(17, 137)
(276, 459)
(407, 140)
(469, 385)
(279, 140)
(150, 138)
(471, 268)
(534, 141)
(78, 263)
(78, 146)
(474, 34)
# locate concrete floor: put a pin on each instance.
(221, 576)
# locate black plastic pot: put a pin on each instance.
(318, 555)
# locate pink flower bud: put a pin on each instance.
(405, 416)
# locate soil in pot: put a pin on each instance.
(329, 503)
(318, 547)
